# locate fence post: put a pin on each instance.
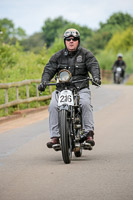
(50, 89)
(27, 93)
(17, 96)
(6, 100)
(37, 92)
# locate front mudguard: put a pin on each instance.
(64, 107)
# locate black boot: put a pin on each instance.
(88, 138)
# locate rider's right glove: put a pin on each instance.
(42, 86)
(96, 81)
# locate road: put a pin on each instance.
(31, 171)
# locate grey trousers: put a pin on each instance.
(87, 112)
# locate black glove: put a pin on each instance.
(42, 86)
(96, 81)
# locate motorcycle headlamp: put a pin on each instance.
(118, 69)
(64, 75)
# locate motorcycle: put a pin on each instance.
(118, 75)
(69, 117)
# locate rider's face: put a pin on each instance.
(71, 43)
(119, 58)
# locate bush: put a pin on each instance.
(107, 58)
(121, 41)
(8, 58)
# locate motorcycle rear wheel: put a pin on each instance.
(66, 145)
(78, 153)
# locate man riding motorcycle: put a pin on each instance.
(79, 62)
(119, 63)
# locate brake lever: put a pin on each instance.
(92, 81)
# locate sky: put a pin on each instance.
(31, 14)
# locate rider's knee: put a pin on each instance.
(52, 106)
(86, 104)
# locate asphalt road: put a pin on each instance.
(31, 171)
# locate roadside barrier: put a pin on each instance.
(104, 74)
(28, 99)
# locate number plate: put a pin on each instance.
(66, 97)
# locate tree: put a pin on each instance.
(8, 31)
(97, 41)
(100, 38)
(33, 43)
(51, 27)
(117, 21)
(20, 33)
(121, 41)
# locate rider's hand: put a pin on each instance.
(42, 86)
(96, 81)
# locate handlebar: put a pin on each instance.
(90, 79)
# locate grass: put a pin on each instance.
(130, 80)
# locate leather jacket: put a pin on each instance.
(79, 63)
(119, 63)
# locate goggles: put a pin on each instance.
(71, 33)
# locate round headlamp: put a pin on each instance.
(64, 75)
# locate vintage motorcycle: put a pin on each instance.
(69, 117)
(118, 75)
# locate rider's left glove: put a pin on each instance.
(42, 86)
(96, 81)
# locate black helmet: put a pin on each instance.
(71, 32)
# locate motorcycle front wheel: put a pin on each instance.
(66, 144)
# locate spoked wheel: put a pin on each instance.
(66, 145)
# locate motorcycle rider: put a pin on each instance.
(79, 62)
(119, 63)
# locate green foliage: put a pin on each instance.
(97, 42)
(128, 57)
(7, 29)
(121, 41)
(57, 46)
(130, 80)
(34, 43)
(8, 58)
(43, 56)
(54, 29)
(50, 29)
(90, 39)
(26, 67)
(10, 34)
(107, 58)
(118, 21)
(20, 33)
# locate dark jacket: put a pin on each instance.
(79, 63)
(119, 63)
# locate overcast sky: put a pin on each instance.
(31, 14)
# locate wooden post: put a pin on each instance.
(6, 100)
(27, 93)
(37, 92)
(17, 96)
(50, 89)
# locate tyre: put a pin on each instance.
(78, 153)
(66, 144)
